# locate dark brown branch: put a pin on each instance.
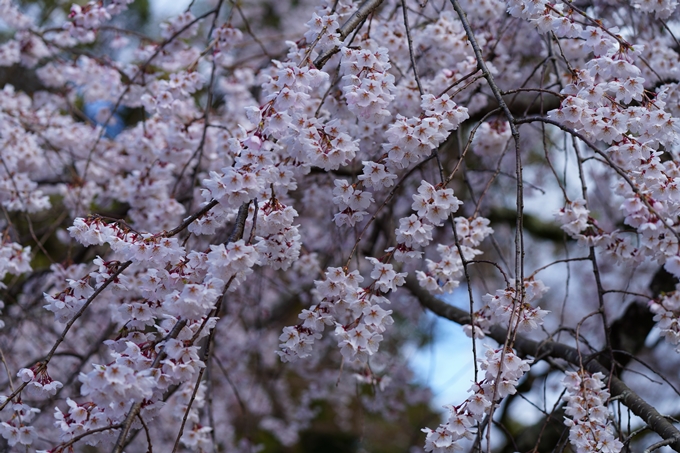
(240, 224)
(521, 105)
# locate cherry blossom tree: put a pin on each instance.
(223, 234)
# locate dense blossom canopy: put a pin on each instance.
(217, 234)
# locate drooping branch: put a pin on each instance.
(544, 349)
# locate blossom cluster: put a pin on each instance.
(605, 100)
(434, 204)
(491, 138)
(575, 220)
(609, 98)
(15, 426)
(324, 28)
(279, 242)
(85, 19)
(574, 217)
(667, 316)
(447, 37)
(18, 170)
(411, 139)
(14, 259)
(171, 285)
(17, 429)
(324, 144)
(233, 186)
(445, 275)
(356, 313)
(351, 201)
(506, 307)
(368, 84)
(167, 96)
(590, 429)
(40, 383)
(112, 388)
